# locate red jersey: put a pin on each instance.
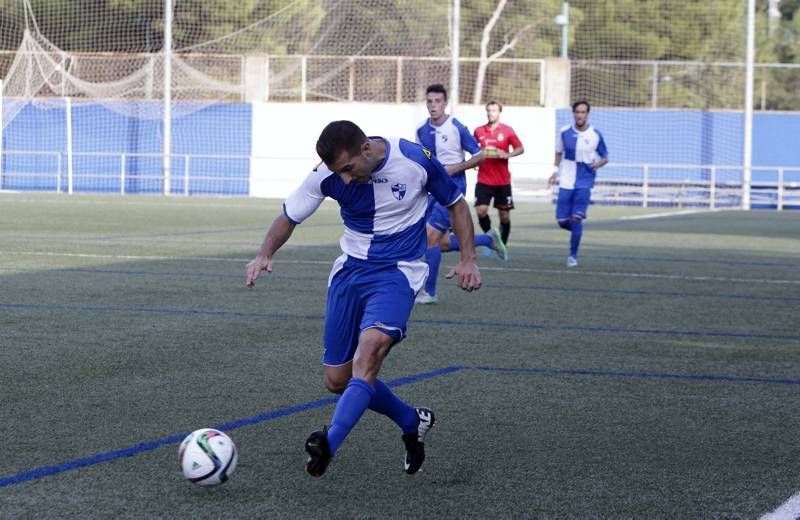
(494, 172)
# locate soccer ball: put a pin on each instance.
(207, 457)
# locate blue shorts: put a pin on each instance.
(364, 295)
(573, 203)
(437, 216)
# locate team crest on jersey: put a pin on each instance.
(500, 137)
(426, 152)
(399, 190)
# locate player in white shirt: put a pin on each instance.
(382, 187)
(580, 152)
(448, 139)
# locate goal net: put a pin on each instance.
(669, 102)
(84, 85)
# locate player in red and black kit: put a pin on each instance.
(498, 142)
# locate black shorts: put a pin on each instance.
(484, 193)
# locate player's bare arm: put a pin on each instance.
(554, 177)
(472, 162)
(277, 235)
(466, 270)
(513, 153)
(599, 164)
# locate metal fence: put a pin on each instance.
(402, 79)
(645, 185)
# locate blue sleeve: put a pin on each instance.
(601, 146)
(438, 183)
(468, 141)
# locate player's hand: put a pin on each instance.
(254, 268)
(553, 180)
(467, 275)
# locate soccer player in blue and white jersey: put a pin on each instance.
(580, 152)
(382, 187)
(448, 139)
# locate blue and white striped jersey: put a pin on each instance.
(578, 151)
(448, 142)
(384, 220)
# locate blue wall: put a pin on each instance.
(632, 136)
(220, 129)
(693, 137)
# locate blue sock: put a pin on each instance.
(386, 403)
(349, 409)
(575, 238)
(453, 242)
(483, 240)
(433, 257)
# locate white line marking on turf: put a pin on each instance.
(789, 510)
(668, 214)
(500, 269)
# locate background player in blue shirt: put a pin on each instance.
(382, 187)
(447, 138)
(580, 152)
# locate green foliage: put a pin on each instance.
(689, 30)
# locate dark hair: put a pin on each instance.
(337, 137)
(581, 102)
(493, 102)
(436, 88)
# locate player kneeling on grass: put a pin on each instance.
(382, 187)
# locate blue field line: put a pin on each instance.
(536, 252)
(761, 263)
(136, 449)
(143, 447)
(459, 323)
(645, 375)
(631, 292)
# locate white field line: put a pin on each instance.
(330, 262)
(668, 214)
(789, 510)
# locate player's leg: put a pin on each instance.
(438, 224)
(564, 208)
(449, 242)
(483, 196)
(343, 315)
(388, 311)
(579, 209)
(490, 237)
(386, 314)
(373, 345)
(504, 203)
(564, 212)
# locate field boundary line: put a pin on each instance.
(668, 214)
